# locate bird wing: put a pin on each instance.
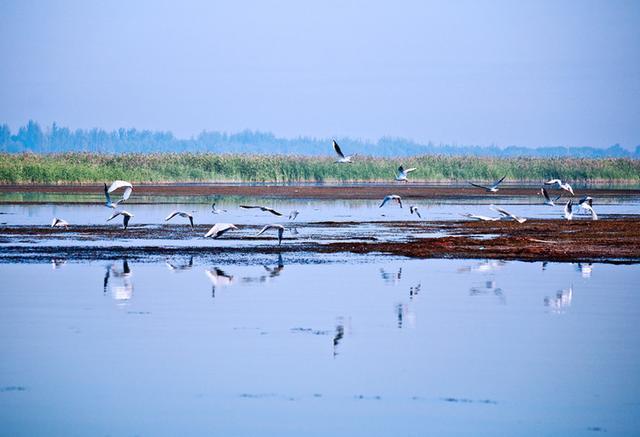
(266, 228)
(479, 186)
(249, 206)
(498, 182)
(409, 170)
(399, 201)
(127, 193)
(114, 215)
(125, 220)
(119, 184)
(172, 215)
(191, 220)
(106, 193)
(545, 194)
(280, 232)
(337, 149)
(385, 200)
(401, 170)
(553, 181)
(504, 212)
(271, 210)
(53, 223)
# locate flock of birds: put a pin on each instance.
(402, 175)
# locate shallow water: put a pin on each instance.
(303, 344)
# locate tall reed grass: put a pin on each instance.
(196, 167)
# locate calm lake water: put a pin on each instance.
(309, 345)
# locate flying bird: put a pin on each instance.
(342, 159)
(391, 197)
(587, 203)
(414, 210)
(562, 185)
(402, 173)
(220, 228)
(507, 214)
(493, 188)
(59, 223)
(568, 210)
(181, 214)
(293, 214)
(262, 208)
(216, 211)
(547, 199)
(482, 218)
(279, 228)
(126, 216)
(116, 185)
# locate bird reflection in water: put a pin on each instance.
(270, 272)
(585, 269)
(339, 334)
(561, 301)
(405, 316)
(390, 277)
(123, 290)
(489, 288)
(218, 279)
(414, 291)
(487, 266)
(178, 267)
(56, 263)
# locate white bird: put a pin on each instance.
(216, 211)
(262, 208)
(568, 210)
(507, 214)
(482, 218)
(587, 203)
(293, 214)
(220, 228)
(280, 229)
(59, 223)
(402, 173)
(565, 186)
(391, 197)
(491, 188)
(126, 216)
(116, 185)
(414, 210)
(547, 199)
(181, 214)
(342, 158)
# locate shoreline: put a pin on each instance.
(342, 191)
(608, 240)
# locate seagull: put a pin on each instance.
(216, 211)
(568, 211)
(403, 173)
(482, 218)
(59, 223)
(587, 203)
(414, 210)
(293, 214)
(391, 197)
(507, 214)
(181, 214)
(262, 208)
(342, 159)
(115, 186)
(280, 229)
(547, 199)
(565, 186)
(219, 229)
(126, 216)
(491, 188)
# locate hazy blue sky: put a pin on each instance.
(530, 73)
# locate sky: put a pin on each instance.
(528, 73)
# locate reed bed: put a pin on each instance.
(205, 167)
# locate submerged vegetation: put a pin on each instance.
(207, 167)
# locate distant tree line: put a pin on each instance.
(54, 139)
